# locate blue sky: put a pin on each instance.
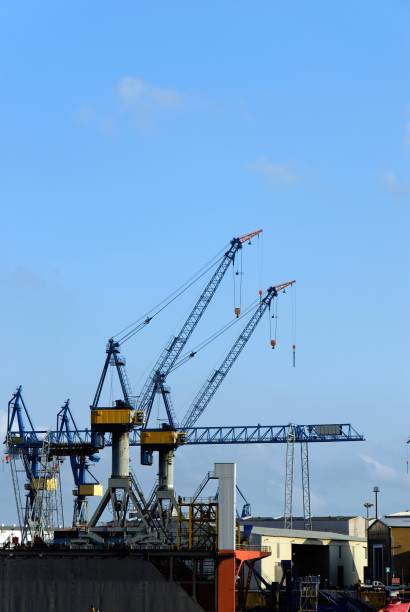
(136, 141)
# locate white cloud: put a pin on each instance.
(279, 175)
(138, 93)
(380, 470)
(395, 186)
(136, 100)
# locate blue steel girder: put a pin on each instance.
(60, 442)
(271, 434)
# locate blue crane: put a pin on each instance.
(81, 445)
(115, 358)
(68, 440)
(23, 442)
(167, 359)
(216, 378)
(169, 438)
(36, 449)
(61, 445)
(80, 454)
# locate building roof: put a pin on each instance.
(304, 534)
(401, 514)
(394, 521)
(301, 518)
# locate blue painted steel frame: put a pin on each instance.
(239, 434)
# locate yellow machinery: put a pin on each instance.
(44, 484)
(103, 417)
(157, 438)
(164, 441)
(91, 490)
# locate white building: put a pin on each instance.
(339, 559)
(348, 525)
(8, 532)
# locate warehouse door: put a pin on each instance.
(340, 577)
(310, 560)
(378, 573)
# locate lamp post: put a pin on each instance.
(376, 491)
(368, 505)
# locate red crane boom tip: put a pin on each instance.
(249, 236)
(284, 285)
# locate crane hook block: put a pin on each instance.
(237, 312)
(273, 343)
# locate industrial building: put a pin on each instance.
(347, 525)
(338, 559)
(389, 548)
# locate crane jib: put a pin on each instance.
(170, 354)
(212, 384)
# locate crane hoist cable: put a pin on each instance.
(259, 254)
(237, 282)
(293, 289)
(274, 316)
(133, 328)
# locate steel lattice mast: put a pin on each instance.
(290, 460)
(304, 460)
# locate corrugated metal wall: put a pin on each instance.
(68, 584)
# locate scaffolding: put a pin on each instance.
(197, 526)
(42, 509)
(309, 594)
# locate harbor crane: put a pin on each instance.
(68, 438)
(122, 489)
(167, 359)
(126, 424)
(79, 444)
(22, 443)
(167, 439)
(42, 506)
